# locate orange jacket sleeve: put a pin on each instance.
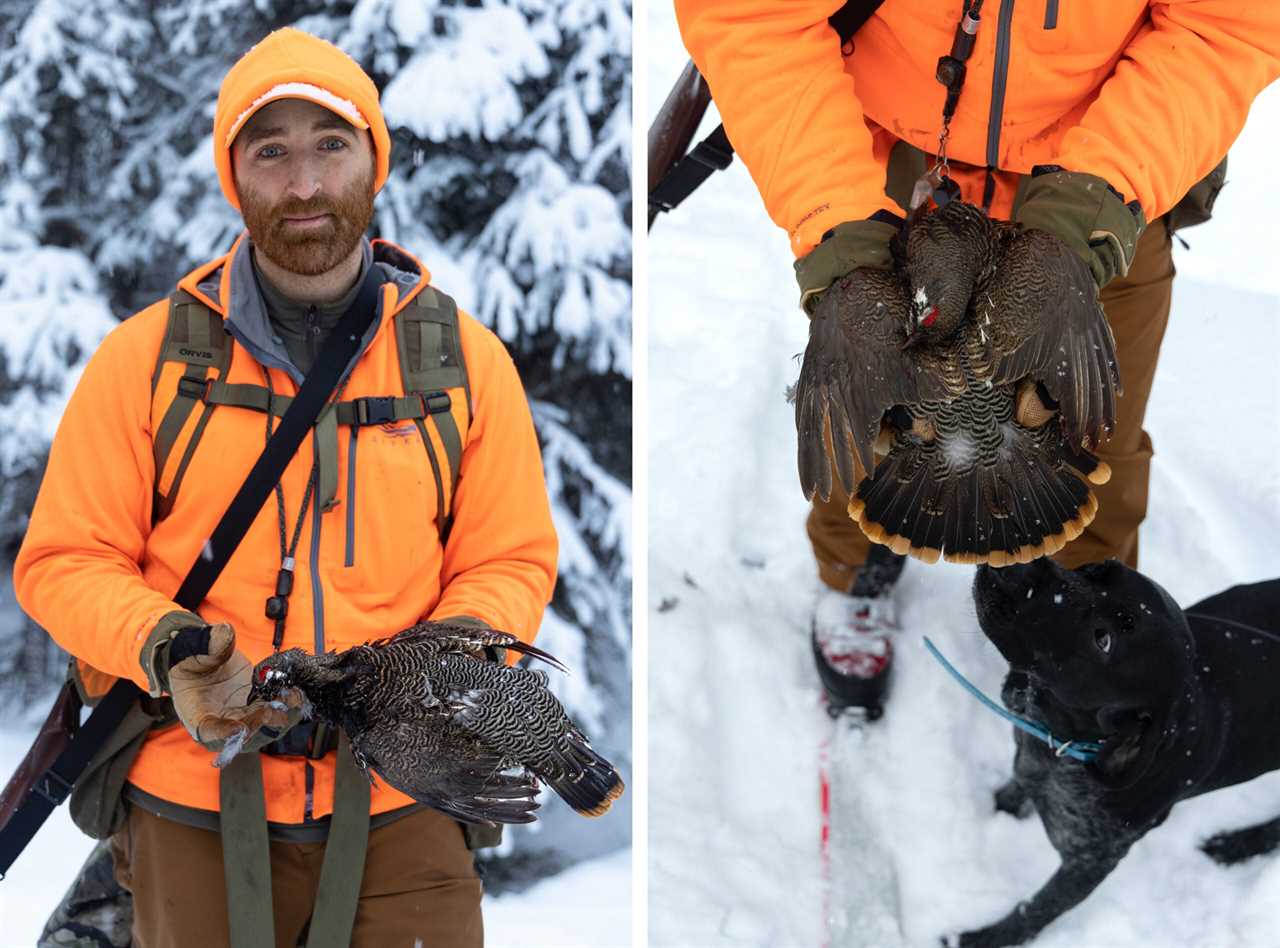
(77, 572)
(789, 108)
(1177, 99)
(500, 561)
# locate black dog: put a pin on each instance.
(1182, 702)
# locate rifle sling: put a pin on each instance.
(55, 784)
(715, 152)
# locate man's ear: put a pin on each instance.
(1127, 755)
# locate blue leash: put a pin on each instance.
(1081, 750)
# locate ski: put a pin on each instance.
(859, 884)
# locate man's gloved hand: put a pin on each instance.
(1086, 214)
(209, 681)
(845, 248)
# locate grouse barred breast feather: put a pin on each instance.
(990, 421)
(439, 721)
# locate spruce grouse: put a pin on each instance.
(443, 724)
(983, 363)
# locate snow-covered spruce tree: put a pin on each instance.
(52, 309)
(510, 123)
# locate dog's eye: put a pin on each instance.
(1102, 638)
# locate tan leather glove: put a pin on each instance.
(210, 692)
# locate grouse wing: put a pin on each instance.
(1042, 314)
(465, 639)
(854, 370)
(450, 773)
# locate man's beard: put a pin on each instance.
(317, 249)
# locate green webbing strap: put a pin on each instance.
(194, 336)
(326, 442)
(452, 442)
(442, 515)
(244, 395)
(246, 859)
(338, 892)
(355, 411)
(431, 360)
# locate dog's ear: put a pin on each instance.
(1128, 754)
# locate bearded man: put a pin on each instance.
(419, 494)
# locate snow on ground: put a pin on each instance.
(586, 906)
(734, 722)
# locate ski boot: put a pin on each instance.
(852, 636)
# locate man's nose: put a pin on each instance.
(304, 186)
(304, 179)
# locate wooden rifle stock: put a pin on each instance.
(54, 735)
(677, 120)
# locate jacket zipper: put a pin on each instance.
(313, 335)
(999, 80)
(317, 593)
(1051, 15)
(351, 499)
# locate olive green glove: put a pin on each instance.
(845, 248)
(209, 681)
(1086, 214)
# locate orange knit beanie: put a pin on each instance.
(291, 64)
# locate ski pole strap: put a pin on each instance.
(1084, 751)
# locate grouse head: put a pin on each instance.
(943, 253)
(293, 668)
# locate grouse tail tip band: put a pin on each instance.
(1029, 503)
(592, 784)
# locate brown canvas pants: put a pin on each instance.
(1137, 307)
(420, 885)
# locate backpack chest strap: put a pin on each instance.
(370, 410)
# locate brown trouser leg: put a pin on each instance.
(420, 885)
(1137, 307)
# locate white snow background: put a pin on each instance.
(733, 702)
(511, 123)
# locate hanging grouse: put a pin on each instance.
(983, 363)
(441, 723)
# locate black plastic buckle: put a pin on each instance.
(436, 402)
(53, 787)
(193, 388)
(375, 410)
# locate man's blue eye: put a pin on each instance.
(333, 144)
(270, 151)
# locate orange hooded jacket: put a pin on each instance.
(1147, 95)
(98, 576)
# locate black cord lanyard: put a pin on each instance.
(277, 608)
(278, 605)
(936, 183)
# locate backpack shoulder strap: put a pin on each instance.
(431, 363)
(195, 339)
